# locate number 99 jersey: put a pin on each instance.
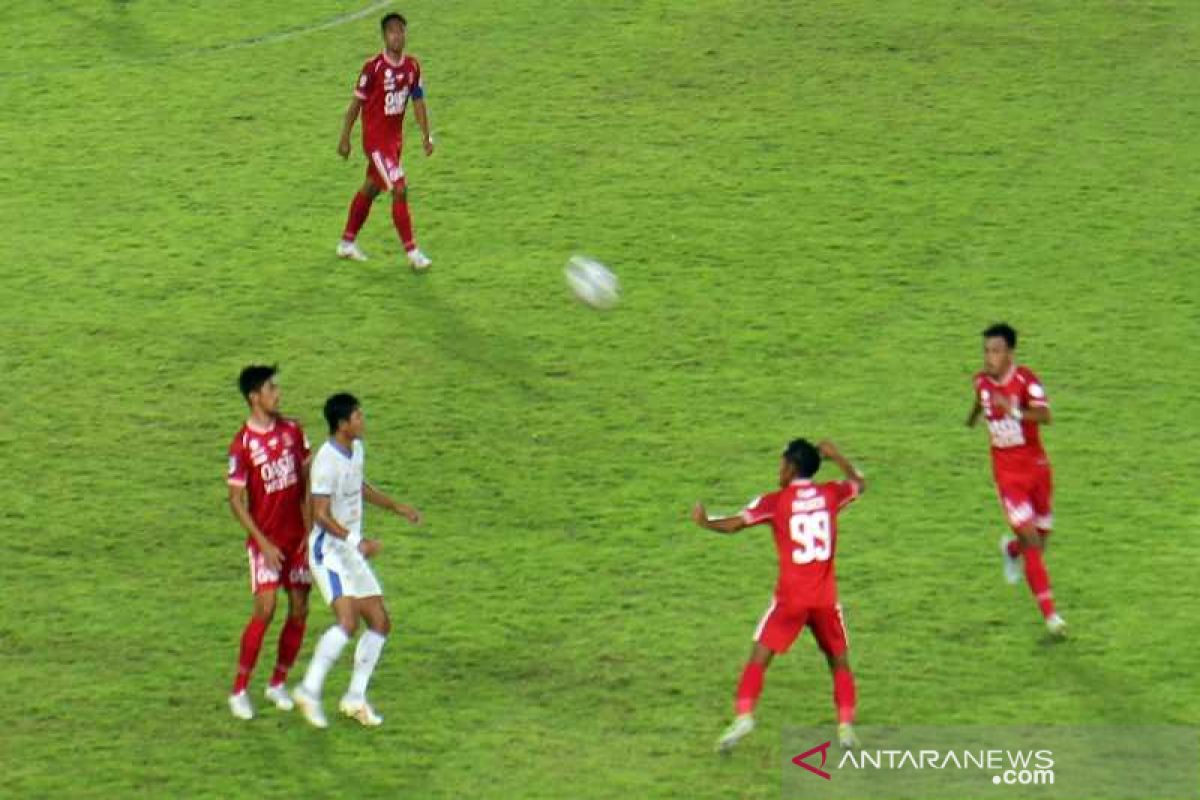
(804, 518)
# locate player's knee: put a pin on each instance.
(264, 606)
(382, 626)
(400, 194)
(838, 662)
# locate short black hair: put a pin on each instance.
(1005, 331)
(254, 376)
(804, 457)
(339, 408)
(383, 23)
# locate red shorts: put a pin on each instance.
(1027, 496)
(293, 573)
(782, 623)
(384, 168)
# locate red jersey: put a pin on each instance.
(804, 517)
(267, 462)
(1016, 444)
(384, 87)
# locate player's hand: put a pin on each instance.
(272, 556)
(700, 515)
(409, 513)
(370, 547)
(344, 147)
(428, 143)
(827, 449)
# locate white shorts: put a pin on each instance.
(338, 569)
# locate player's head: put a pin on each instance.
(258, 386)
(800, 460)
(344, 415)
(999, 342)
(393, 26)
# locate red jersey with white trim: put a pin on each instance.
(804, 518)
(1016, 444)
(268, 463)
(384, 87)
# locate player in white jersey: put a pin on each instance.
(338, 558)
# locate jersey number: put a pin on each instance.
(393, 102)
(810, 532)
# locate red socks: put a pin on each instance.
(252, 639)
(1039, 581)
(289, 646)
(360, 207)
(403, 222)
(844, 694)
(749, 688)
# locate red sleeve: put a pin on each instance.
(844, 493)
(366, 80)
(1035, 393)
(302, 445)
(761, 509)
(239, 469)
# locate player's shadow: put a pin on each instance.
(488, 352)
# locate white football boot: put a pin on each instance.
(846, 738)
(1013, 570)
(310, 706)
(280, 697)
(350, 250)
(739, 729)
(418, 260)
(358, 708)
(239, 704)
(1057, 626)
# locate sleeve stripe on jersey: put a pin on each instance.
(359, 95)
(235, 482)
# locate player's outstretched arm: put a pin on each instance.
(348, 125)
(378, 498)
(973, 417)
(718, 525)
(829, 450)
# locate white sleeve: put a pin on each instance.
(323, 477)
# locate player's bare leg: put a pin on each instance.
(1032, 549)
(308, 694)
(403, 222)
(360, 207)
(366, 655)
(290, 640)
(844, 698)
(252, 638)
(748, 690)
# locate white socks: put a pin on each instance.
(328, 649)
(366, 656)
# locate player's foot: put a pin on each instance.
(350, 250)
(239, 704)
(278, 695)
(846, 738)
(1057, 626)
(310, 707)
(1012, 565)
(418, 260)
(740, 729)
(358, 708)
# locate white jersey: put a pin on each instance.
(338, 475)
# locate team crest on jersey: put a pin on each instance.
(287, 440)
(807, 493)
(274, 442)
(255, 444)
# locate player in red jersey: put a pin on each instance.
(268, 476)
(385, 85)
(1012, 400)
(804, 517)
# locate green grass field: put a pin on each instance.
(813, 211)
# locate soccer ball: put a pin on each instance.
(592, 282)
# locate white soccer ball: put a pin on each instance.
(592, 282)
